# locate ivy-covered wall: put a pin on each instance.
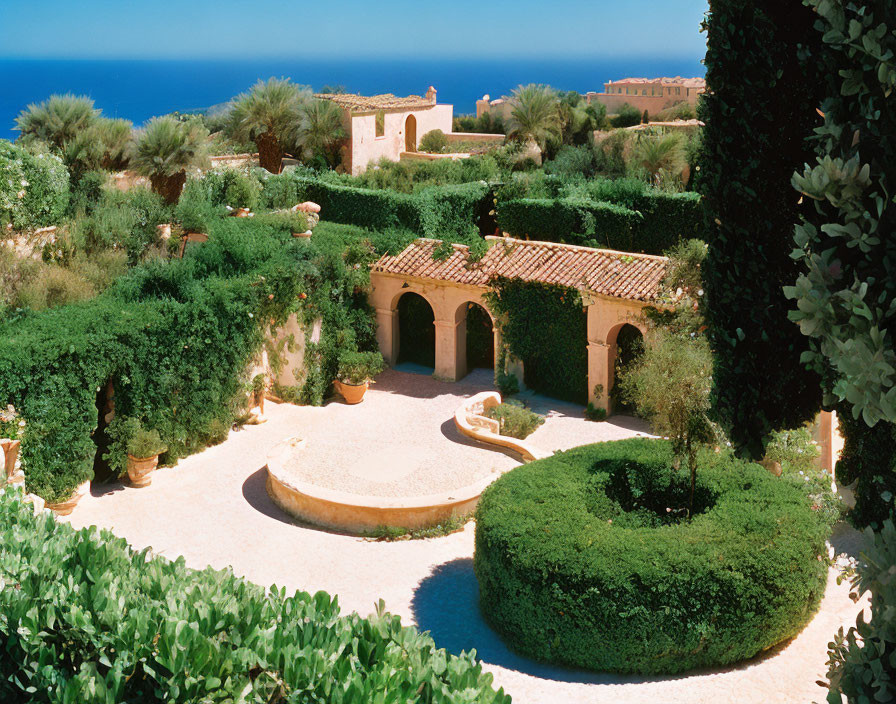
(759, 108)
(176, 338)
(545, 326)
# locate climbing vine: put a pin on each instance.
(545, 326)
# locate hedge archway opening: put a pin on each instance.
(416, 330)
(588, 559)
(629, 348)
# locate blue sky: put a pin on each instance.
(348, 28)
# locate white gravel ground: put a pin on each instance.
(213, 509)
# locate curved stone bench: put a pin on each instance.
(471, 421)
(354, 513)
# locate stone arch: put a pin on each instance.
(416, 334)
(627, 345)
(475, 346)
(410, 134)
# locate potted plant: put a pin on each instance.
(142, 446)
(356, 371)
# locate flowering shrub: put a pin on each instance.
(34, 188)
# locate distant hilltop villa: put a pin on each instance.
(651, 94)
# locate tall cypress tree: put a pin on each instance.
(760, 107)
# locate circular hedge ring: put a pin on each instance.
(588, 559)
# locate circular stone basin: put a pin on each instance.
(387, 486)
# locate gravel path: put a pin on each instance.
(213, 509)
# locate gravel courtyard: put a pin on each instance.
(213, 509)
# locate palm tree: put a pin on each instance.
(103, 145)
(535, 116)
(58, 120)
(322, 131)
(658, 154)
(163, 151)
(269, 115)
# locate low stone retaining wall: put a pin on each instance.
(475, 137)
(471, 421)
(357, 514)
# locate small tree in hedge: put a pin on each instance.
(165, 149)
(670, 384)
(628, 116)
(269, 115)
(758, 111)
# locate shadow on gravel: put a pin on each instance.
(446, 603)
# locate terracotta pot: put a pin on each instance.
(352, 393)
(64, 508)
(9, 453)
(140, 470)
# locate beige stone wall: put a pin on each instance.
(366, 148)
(605, 315)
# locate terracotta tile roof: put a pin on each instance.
(365, 103)
(676, 81)
(635, 277)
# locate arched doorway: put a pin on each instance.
(416, 331)
(480, 334)
(410, 134)
(629, 348)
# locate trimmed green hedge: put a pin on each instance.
(649, 222)
(581, 561)
(444, 212)
(571, 220)
(84, 618)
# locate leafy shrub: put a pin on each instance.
(627, 116)
(514, 419)
(34, 188)
(584, 559)
(88, 192)
(288, 221)
(234, 187)
(861, 662)
(129, 437)
(127, 221)
(433, 141)
(571, 161)
(359, 367)
(176, 634)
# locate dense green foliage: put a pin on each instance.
(863, 661)
(544, 326)
(433, 141)
(624, 214)
(34, 188)
(626, 116)
(359, 367)
(758, 113)
(584, 559)
(86, 619)
(846, 288)
(176, 338)
(514, 419)
(445, 212)
(869, 459)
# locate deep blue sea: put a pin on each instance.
(138, 90)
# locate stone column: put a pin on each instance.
(387, 334)
(601, 358)
(823, 434)
(446, 351)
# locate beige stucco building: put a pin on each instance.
(385, 126)
(651, 94)
(615, 287)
